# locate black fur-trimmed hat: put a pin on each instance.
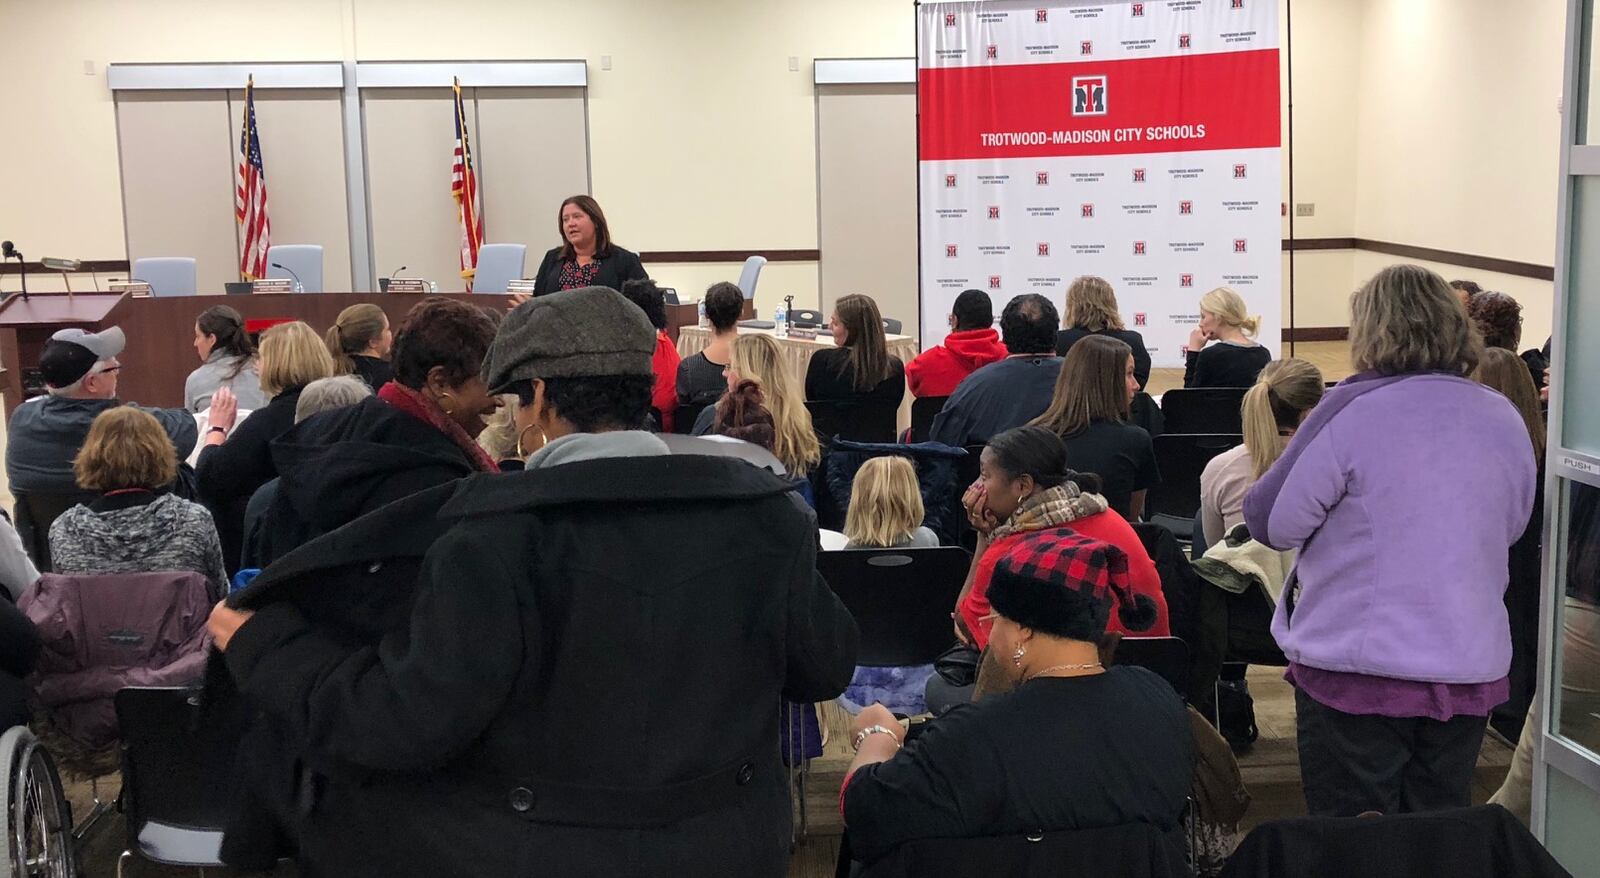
(1060, 582)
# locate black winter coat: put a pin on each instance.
(339, 465)
(569, 689)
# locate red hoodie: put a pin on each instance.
(937, 371)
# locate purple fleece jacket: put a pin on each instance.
(1403, 494)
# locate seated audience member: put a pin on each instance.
(1072, 745)
(227, 358)
(80, 374)
(859, 368)
(1398, 648)
(1236, 358)
(235, 462)
(19, 652)
(665, 361)
(758, 358)
(1092, 310)
(16, 568)
(700, 379)
(360, 341)
(1502, 370)
(1464, 290)
(506, 439)
(567, 581)
(1025, 486)
(417, 432)
(1499, 319)
(1273, 408)
(134, 526)
(321, 395)
(886, 507)
(742, 414)
(971, 343)
(1090, 414)
(1013, 391)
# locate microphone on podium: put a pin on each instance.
(9, 251)
(383, 282)
(298, 286)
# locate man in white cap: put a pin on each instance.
(80, 376)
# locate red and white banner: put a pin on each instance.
(1137, 141)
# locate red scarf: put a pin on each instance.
(427, 411)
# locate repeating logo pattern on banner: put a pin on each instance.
(1137, 141)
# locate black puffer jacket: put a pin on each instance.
(337, 466)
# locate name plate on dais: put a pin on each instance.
(803, 333)
(136, 288)
(407, 285)
(272, 285)
(521, 285)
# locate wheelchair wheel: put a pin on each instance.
(38, 817)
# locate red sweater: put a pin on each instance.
(937, 371)
(664, 362)
(1107, 527)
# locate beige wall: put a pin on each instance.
(1429, 122)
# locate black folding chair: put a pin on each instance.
(1203, 410)
(923, 410)
(1168, 657)
(1182, 457)
(856, 421)
(683, 418)
(892, 326)
(967, 472)
(36, 511)
(806, 317)
(176, 775)
(900, 598)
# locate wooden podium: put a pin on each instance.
(26, 324)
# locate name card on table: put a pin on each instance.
(803, 333)
(136, 288)
(521, 285)
(272, 285)
(407, 285)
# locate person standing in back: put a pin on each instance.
(1012, 391)
(1403, 492)
(971, 344)
(859, 368)
(1236, 358)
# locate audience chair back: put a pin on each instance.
(102, 632)
(1132, 850)
(1143, 412)
(304, 260)
(1204, 409)
(750, 274)
(1182, 457)
(856, 421)
(177, 764)
(923, 410)
(806, 317)
(684, 416)
(166, 275)
(36, 511)
(892, 326)
(1168, 657)
(498, 265)
(900, 598)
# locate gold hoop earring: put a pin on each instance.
(449, 412)
(523, 432)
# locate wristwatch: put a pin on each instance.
(874, 729)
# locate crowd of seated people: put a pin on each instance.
(386, 736)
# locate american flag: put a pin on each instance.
(250, 195)
(464, 188)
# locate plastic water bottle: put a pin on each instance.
(701, 310)
(780, 322)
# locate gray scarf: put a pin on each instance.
(595, 446)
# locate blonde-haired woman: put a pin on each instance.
(360, 341)
(1273, 408)
(234, 462)
(1236, 358)
(886, 507)
(758, 358)
(1403, 492)
(1092, 310)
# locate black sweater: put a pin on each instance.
(829, 377)
(616, 266)
(1141, 357)
(1226, 365)
(229, 473)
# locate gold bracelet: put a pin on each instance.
(875, 730)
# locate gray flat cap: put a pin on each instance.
(574, 333)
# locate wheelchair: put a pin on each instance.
(39, 837)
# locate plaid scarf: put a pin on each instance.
(426, 410)
(1052, 507)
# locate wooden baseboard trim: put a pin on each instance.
(682, 256)
(1316, 333)
(1427, 254)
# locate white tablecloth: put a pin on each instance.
(797, 353)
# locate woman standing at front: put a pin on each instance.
(1403, 491)
(586, 257)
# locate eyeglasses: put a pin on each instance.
(108, 370)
